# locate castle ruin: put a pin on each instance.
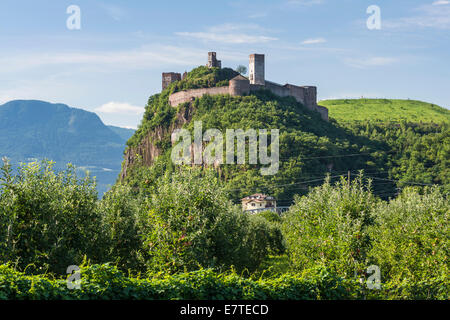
(240, 85)
(212, 61)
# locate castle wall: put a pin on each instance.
(188, 95)
(310, 96)
(297, 92)
(305, 95)
(277, 89)
(239, 87)
(323, 112)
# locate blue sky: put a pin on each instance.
(114, 62)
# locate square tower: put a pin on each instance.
(169, 77)
(212, 61)
(256, 69)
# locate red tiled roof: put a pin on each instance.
(258, 197)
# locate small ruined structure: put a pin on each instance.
(169, 77)
(258, 202)
(212, 61)
(240, 86)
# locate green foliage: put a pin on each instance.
(329, 227)
(411, 236)
(204, 77)
(186, 223)
(270, 216)
(389, 150)
(241, 69)
(307, 144)
(385, 110)
(48, 221)
(191, 223)
(418, 153)
(346, 229)
(105, 282)
(121, 221)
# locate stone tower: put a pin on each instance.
(256, 69)
(212, 61)
(169, 77)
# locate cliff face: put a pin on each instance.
(150, 146)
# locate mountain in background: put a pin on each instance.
(124, 133)
(35, 130)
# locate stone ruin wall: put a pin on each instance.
(169, 77)
(189, 95)
(305, 95)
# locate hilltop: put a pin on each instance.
(310, 148)
(386, 110)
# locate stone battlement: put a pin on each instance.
(239, 86)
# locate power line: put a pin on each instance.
(407, 182)
(336, 156)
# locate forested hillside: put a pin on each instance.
(394, 153)
(178, 232)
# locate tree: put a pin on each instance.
(241, 69)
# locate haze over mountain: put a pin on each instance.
(34, 130)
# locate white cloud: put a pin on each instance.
(226, 38)
(144, 57)
(363, 63)
(314, 41)
(120, 108)
(441, 2)
(4, 98)
(231, 33)
(436, 15)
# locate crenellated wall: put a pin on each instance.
(189, 95)
(239, 86)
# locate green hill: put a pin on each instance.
(385, 110)
(394, 155)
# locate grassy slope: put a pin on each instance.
(385, 110)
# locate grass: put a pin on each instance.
(385, 110)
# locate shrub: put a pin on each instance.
(329, 227)
(191, 223)
(120, 213)
(105, 282)
(411, 236)
(48, 220)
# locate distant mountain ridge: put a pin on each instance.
(33, 129)
(124, 133)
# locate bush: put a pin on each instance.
(191, 223)
(411, 236)
(48, 220)
(105, 282)
(271, 223)
(329, 227)
(121, 220)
